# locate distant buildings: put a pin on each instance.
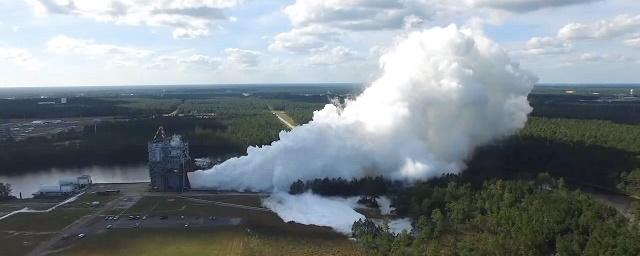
(65, 187)
(19, 130)
(169, 163)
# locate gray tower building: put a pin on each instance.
(169, 162)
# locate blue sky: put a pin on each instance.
(123, 42)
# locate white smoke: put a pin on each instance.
(308, 208)
(442, 93)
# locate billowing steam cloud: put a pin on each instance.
(442, 93)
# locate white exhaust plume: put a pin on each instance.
(308, 209)
(442, 93)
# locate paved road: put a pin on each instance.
(226, 204)
(95, 222)
(283, 120)
(71, 199)
(129, 194)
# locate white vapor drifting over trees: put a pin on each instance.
(442, 93)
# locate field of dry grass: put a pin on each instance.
(225, 241)
(261, 233)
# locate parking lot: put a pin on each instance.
(167, 222)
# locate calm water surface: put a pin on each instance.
(29, 183)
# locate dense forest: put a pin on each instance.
(587, 151)
(368, 186)
(235, 124)
(588, 107)
(537, 217)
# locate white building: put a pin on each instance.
(65, 187)
(50, 190)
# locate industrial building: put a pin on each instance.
(65, 187)
(169, 162)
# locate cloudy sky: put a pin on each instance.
(124, 42)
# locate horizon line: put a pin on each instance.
(274, 84)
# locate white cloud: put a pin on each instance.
(114, 54)
(302, 40)
(232, 59)
(633, 42)
(332, 56)
(618, 26)
(117, 55)
(184, 33)
(599, 58)
(188, 18)
(359, 14)
(524, 5)
(20, 57)
(242, 59)
(377, 51)
(198, 60)
(547, 45)
(318, 22)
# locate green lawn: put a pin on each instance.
(42, 222)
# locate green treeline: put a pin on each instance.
(584, 152)
(234, 124)
(85, 107)
(630, 182)
(585, 132)
(539, 217)
(125, 142)
(368, 186)
(587, 107)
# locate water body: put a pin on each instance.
(30, 182)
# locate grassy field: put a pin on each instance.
(226, 241)
(31, 203)
(157, 205)
(21, 233)
(261, 233)
(42, 222)
(85, 200)
(17, 243)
